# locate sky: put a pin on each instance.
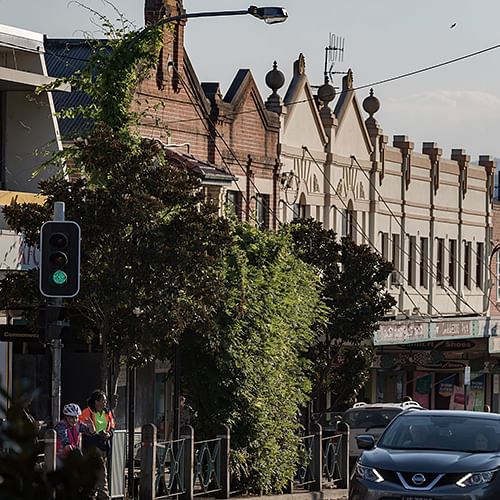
(455, 106)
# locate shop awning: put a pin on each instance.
(7, 197)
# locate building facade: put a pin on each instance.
(430, 216)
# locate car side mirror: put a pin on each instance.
(365, 441)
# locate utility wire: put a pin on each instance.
(361, 87)
(191, 99)
(366, 237)
(390, 79)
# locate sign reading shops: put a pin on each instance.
(441, 345)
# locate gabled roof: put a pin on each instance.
(242, 85)
(346, 100)
(294, 97)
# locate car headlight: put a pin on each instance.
(368, 473)
(476, 478)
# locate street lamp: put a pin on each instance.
(270, 15)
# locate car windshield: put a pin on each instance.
(365, 418)
(442, 432)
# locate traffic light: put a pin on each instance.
(60, 259)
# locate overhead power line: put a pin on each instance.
(384, 80)
(361, 87)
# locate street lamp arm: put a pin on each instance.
(270, 15)
(193, 15)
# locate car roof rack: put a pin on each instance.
(359, 405)
(411, 404)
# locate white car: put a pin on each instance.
(365, 418)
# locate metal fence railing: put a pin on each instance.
(304, 474)
(207, 467)
(186, 469)
(323, 460)
(170, 469)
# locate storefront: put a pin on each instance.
(427, 361)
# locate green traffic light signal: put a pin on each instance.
(59, 277)
(59, 259)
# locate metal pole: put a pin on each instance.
(131, 375)
(56, 345)
(177, 391)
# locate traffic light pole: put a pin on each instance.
(56, 344)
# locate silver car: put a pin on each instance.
(371, 418)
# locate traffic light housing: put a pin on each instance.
(60, 259)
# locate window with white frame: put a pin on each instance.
(233, 202)
(479, 265)
(439, 261)
(262, 210)
(467, 264)
(452, 263)
(2, 138)
(395, 255)
(498, 278)
(424, 257)
(412, 260)
(384, 246)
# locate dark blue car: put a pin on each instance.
(430, 455)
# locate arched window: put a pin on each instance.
(350, 221)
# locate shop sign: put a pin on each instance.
(400, 332)
(442, 345)
(445, 389)
(453, 329)
(420, 333)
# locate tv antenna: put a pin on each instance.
(333, 53)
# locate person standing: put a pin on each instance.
(68, 430)
(99, 425)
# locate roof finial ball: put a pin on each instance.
(275, 79)
(326, 93)
(371, 104)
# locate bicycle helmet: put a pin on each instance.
(72, 410)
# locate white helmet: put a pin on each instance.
(72, 410)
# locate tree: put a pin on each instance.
(251, 372)
(353, 279)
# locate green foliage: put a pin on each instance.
(148, 245)
(251, 372)
(22, 474)
(117, 65)
(353, 279)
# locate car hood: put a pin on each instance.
(429, 460)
